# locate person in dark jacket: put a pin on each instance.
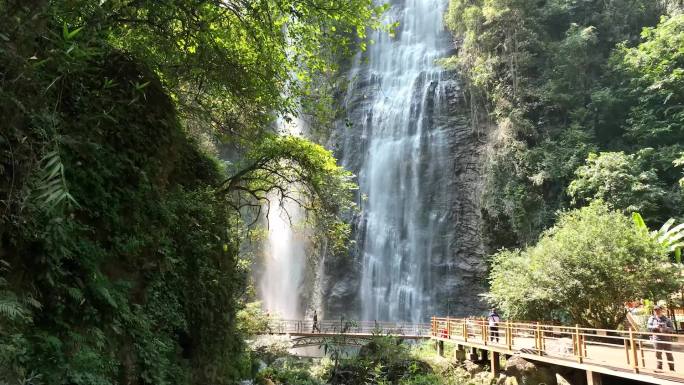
(315, 323)
(659, 323)
(493, 320)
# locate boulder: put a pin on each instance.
(472, 368)
(280, 362)
(529, 373)
(260, 366)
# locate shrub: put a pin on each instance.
(582, 270)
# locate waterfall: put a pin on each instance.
(285, 262)
(399, 146)
(285, 252)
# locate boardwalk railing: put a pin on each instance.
(348, 327)
(618, 349)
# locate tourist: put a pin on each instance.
(268, 321)
(493, 320)
(659, 323)
(315, 323)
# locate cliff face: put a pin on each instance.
(418, 238)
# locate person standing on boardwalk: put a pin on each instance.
(493, 320)
(315, 323)
(659, 323)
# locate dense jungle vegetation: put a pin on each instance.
(581, 104)
(583, 100)
(119, 227)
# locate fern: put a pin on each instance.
(10, 306)
(51, 187)
(11, 309)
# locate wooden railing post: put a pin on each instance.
(465, 330)
(448, 328)
(626, 344)
(508, 335)
(578, 343)
(485, 332)
(433, 328)
(635, 357)
(537, 341)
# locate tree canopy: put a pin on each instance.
(120, 229)
(556, 81)
(620, 180)
(582, 271)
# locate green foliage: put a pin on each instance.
(121, 246)
(289, 168)
(561, 79)
(423, 379)
(227, 63)
(384, 360)
(289, 374)
(406, 364)
(655, 70)
(582, 270)
(670, 238)
(252, 320)
(622, 181)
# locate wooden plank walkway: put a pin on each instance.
(618, 353)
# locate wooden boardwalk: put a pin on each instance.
(624, 354)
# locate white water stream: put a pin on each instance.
(405, 157)
(285, 251)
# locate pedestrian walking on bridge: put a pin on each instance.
(659, 323)
(315, 326)
(493, 320)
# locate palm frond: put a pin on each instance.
(664, 229)
(639, 221)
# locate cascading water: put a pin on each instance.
(285, 261)
(400, 148)
(284, 266)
